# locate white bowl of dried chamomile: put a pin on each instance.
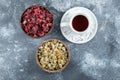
(52, 55)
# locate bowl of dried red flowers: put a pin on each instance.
(52, 55)
(37, 21)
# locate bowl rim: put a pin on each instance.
(66, 64)
(29, 8)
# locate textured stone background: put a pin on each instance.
(98, 59)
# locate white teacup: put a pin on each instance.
(73, 35)
(69, 23)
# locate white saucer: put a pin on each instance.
(83, 37)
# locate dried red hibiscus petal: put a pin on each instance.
(37, 21)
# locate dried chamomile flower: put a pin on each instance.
(53, 55)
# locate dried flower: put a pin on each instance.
(37, 21)
(53, 55)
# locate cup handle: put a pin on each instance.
(64, 24)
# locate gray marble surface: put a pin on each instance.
(98, 59)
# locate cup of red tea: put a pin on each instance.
(79, 25)
(36, 21)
